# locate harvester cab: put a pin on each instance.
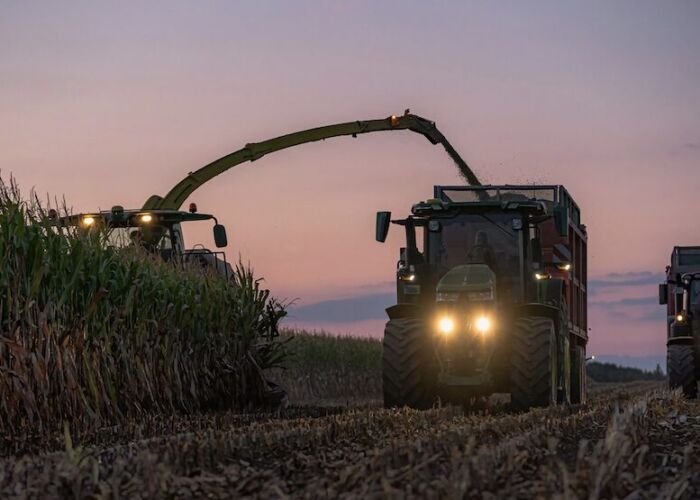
(158, 232)
(493, 299)
(680, 293)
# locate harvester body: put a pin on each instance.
(162, 233)
(680, 293)
(158, 232)
(493, 300)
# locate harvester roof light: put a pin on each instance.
(146, 218)
(680, 318)
(542, 276)
(564, 266)
(88, 220)
(193, 208)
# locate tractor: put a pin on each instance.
(491, 298)
(681, 296)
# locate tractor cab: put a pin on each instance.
(680, 293)
(158, 232)
(471, 235)
(486, 273)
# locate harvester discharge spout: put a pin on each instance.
(254, 151)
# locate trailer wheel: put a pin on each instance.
(680, 365)
(409, 366)
(534, 380)
(565, 361)
(578, 375)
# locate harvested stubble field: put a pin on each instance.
(148, 370)
(631, 441)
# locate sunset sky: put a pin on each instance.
(109, 104)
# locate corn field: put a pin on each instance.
(92, 335)
(124, 376)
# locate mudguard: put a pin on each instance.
(400, 311)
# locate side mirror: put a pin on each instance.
(561, 220)
(663, 294)
(382, 229)
(220, 239)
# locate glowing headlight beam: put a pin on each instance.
(483, 324)
(446, 325)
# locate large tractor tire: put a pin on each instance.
(578, 375)
(680, 365)
(534, 363)
(409, 365)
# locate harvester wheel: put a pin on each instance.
(680, 364)
(409, 371)
(534, 380)
(578, 375)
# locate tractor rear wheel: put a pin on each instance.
(409, 365)
(680, 365)
(578, 375)
(534, 379)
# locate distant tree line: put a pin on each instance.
(610, 372)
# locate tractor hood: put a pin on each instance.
(470, 281)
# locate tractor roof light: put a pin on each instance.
(87, 221)
(542, 276)
(146, 218)
(564, 266)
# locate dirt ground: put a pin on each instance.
(630, 441)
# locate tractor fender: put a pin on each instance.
(680, 341)
(538, 309)
(400, 311)
(680, 333)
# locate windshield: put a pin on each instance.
(482, 239)
(154, 239)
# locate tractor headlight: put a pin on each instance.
(88, 221)
(446, 325)
(483, 324)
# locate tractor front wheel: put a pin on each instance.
(534, 379)
(409, 365)
(680, 365)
